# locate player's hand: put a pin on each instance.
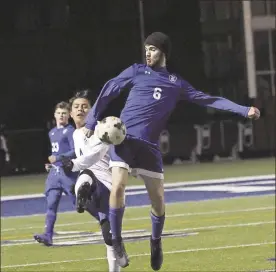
(48, 167)
(67, 165)
(52, 159)
(254, 113)
(88, 132)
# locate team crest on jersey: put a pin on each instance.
(172, 78)
(64, 131)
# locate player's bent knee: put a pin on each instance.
(105, 226)
(85, 176)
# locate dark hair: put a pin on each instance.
(80, 94)
(62, 105)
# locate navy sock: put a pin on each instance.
(157, 223)
(116, 221)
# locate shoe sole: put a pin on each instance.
(82, 197)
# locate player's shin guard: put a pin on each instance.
(105, 226)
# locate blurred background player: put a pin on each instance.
(4, 151)
(61, 138)
(93, 184)
(154, 93)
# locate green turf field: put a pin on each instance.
(225, 235)
(31, 184)
(235, 234)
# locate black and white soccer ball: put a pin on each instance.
(111, 130)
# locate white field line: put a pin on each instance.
(167, 185)
(146, 254)
(251, 224)
(148, 218)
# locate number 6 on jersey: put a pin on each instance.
(157, 93)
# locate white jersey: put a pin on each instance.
(92, 154)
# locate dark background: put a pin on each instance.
(48, 49)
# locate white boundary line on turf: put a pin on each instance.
(251, 224)
(146, 217)
(146, 254)
(170, 185)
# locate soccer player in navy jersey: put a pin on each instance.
(153, 95)
(61, 138)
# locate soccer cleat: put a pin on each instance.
(45, 239)
(156, 253)
(120, 252)
(84, 194)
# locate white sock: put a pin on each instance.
(112, 263)
(81, 179)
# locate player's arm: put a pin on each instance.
(51, 158)
(220, 103)
(110, 91)
(96, 150)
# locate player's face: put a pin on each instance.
(62, 116)
(79, 110)
(154, 56)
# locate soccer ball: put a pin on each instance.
(111, 130)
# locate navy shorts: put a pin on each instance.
(138, 156)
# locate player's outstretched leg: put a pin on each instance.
(83, 190)
(53, 198)
(116, 212)
(155, 189)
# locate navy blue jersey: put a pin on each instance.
(153, 96)
(62, 142)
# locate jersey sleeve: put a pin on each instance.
(189, 93)
(71, 152)
(96, 150)
(110, 91)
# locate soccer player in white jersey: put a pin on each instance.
(153, 95)
(93, 184)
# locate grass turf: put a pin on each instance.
(229, 235)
